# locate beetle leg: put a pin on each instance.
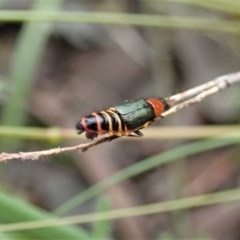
(80, 131)
(113, 137)
(91, 135)
(137, 134)
(147, 124)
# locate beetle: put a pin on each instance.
(125, 119)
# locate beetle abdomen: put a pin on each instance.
(109, 121)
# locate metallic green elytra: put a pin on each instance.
(136, 113)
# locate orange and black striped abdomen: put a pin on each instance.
(109, 121)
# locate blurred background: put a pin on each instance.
(54, 72)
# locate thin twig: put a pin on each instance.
(220, 82)
(199, 93)
(177, 102)
(54, 151)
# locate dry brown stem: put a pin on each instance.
(177, 102)
(53, 151)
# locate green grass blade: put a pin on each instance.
(55, 135)
(102, 229)
(148, 164)
(7, 236)
(28, 53)
(141, 20)
(14, 210)
(155, 208)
